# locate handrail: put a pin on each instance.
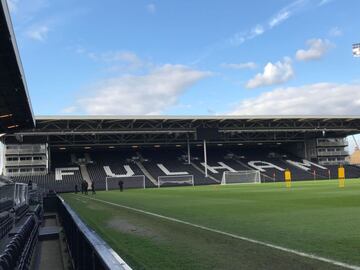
(105, 254)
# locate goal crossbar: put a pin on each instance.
(241, 177)
(176, 179)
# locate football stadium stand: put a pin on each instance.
(63, 177)
(19, 224)
(171, 164)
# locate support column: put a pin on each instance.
(205, 160)
(188, 152)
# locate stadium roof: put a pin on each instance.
(192, 117)
(79, 131)
(15, 107)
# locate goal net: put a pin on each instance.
(240, 177)
(175, 180)
(135, 181)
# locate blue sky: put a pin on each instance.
(189, 57)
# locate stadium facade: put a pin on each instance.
(63, 150)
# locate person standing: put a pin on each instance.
(76, 189)
(121, 185)
(93, 187)
(86, 186)
(82, 187)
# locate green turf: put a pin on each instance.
(313, 217)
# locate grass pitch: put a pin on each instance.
(313, 217)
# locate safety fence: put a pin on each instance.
(87, 249)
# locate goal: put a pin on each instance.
(135, 181)
(241, 177)
(21, 194)
(175, 180)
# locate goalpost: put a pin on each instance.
(173, 180)
(241, 177)
(135, 181)
(21, 193)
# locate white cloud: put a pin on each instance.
(276, 73)
(315, 99)
(256, 31)
(317, 48)
(27, 11)
(38, 33)
(239, 38)
(117, 56)
(247, 65)
(282, 16)
(151, 8)
(119, 60)
(125, 56)
(142, 94)
(335, 32)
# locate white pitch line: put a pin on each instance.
(293, 251)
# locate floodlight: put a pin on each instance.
(356, 50)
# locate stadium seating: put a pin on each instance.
(6, 223)
(115, 161)
(155, 162)
(18, 228)
(20, 211)
(218, 161)
(159, 161)
(351, 171)
(49, 181)
(280, 162)
(17, 253)
(5, 204)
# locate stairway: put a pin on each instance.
(146, 173)
(85, 175)
(203, 172)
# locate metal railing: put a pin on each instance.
(32, 173)
(337, 143)
(20, 151)
(336, 162)
(332, 142)
(26, 163)
(87, 249)
(332, 153)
